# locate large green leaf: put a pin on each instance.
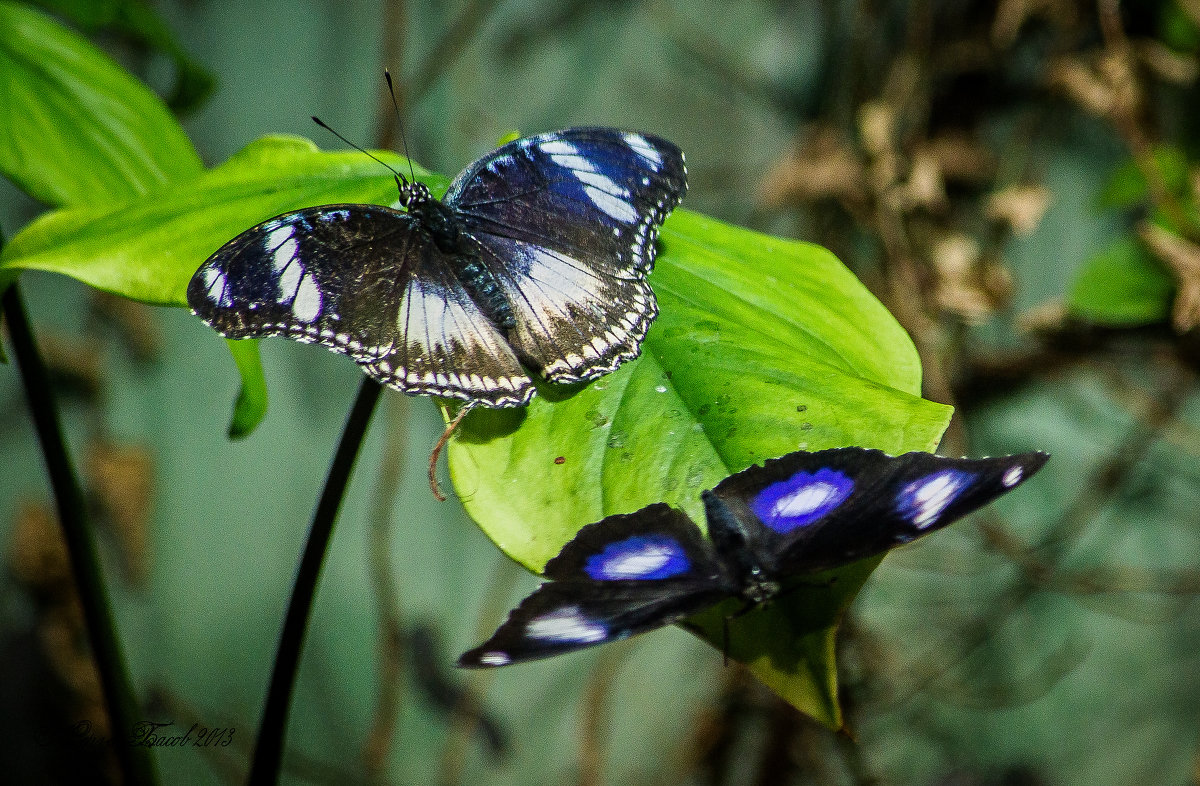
(149, 249)
(763, 346)
(78, 129)
(141, 23)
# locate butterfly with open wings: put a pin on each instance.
(537, 256)
(796, 515)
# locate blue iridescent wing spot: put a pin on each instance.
(924, 500)
(642, 557)
(801, 499)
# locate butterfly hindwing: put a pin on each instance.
(625, 574)
(365, 281)
(567, 223)
(564, 616)
(812, 511)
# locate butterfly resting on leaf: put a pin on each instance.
(794, 516)
(536, 257)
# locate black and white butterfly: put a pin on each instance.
(796, 515)
(536, 256)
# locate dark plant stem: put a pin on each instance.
(135, 762)
(268, 750)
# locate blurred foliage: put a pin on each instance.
(1016, 181)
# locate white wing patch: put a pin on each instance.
(216, 286)
(924, 500)
(618, 208)
(639, 145)
(567, 624)
(1012, 477)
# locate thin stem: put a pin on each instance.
(268, 750)
(135, 762)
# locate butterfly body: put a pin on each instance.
(536, 257)
(795, 516)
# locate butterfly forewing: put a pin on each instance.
(567, 223)
(365, 281)
(812, 511)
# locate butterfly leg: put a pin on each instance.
(437, 450)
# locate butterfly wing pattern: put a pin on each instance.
(795, 515)
(538, 255)
(567, 223)
(623, 575)
(399, 310)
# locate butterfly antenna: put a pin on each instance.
(437, 450)
(368, 153)
(387, 75)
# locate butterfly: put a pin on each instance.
(796, 515)
(536, 256)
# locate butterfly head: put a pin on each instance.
(413, 194)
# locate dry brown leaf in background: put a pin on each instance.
(960, 157)
(1108, 87)
(37, 555)
(1166, 63)
(1183, 258)
(876, 125)
(924, 188)
(956, 259)
(135, 322)
(38, 559)
(1011, 16)
(121, 480)
(1047, 317)
(74, 363)
(825, 167)
(1021, 207)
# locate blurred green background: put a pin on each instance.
(994, 172)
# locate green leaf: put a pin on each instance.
(1122, 286)
(762, 346)
(251, 405)
(79, 129)
(149, 249)
(140, 23)
(1127, 187)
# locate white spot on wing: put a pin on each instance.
(1012, 477)
(639, 145)
(927, 499)
(616, 207)
(805, 500)
(574, 163)
(603, 182)
(567, 625)
(558, 147)
(635, 564)
(495, 659)
(216, 285)
(306, 306)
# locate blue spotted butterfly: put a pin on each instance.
(537, 255)
(795, 515)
